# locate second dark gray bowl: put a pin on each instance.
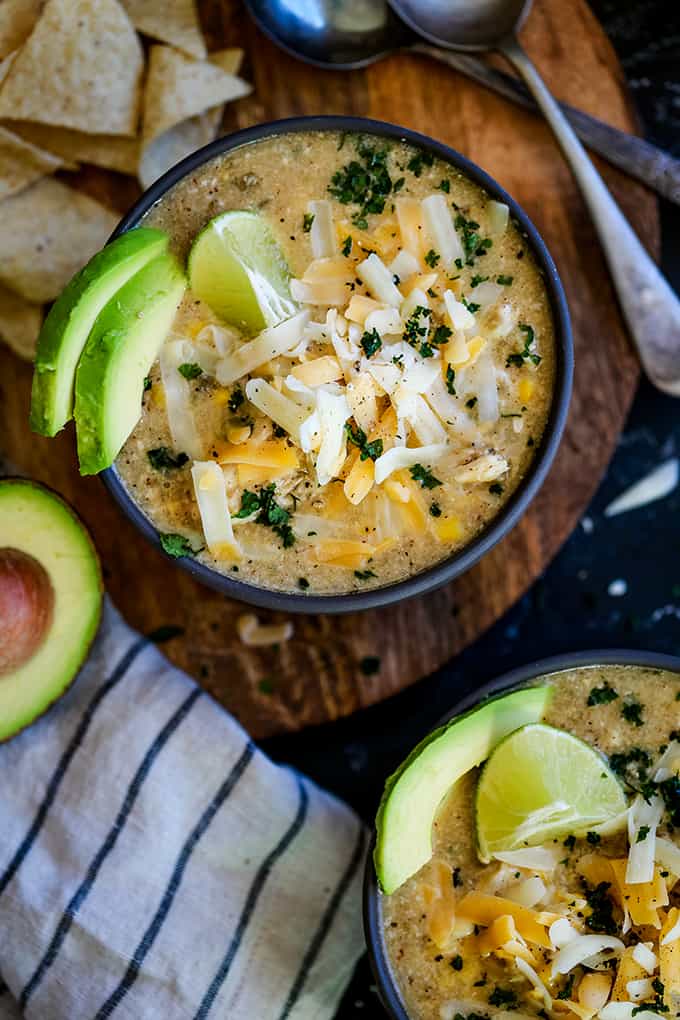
(373, 914)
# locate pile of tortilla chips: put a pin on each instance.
(77, 86)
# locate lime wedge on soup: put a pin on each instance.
(120, 350)
(540, 784)
(71, 318)
(415, 791)
(237, 267)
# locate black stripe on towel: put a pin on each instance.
(324, 925)
(65, 760)
(254, 892)
(152, 931)
(107, 846)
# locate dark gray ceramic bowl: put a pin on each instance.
(457, 564)
(373, 914)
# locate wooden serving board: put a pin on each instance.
(318, 675)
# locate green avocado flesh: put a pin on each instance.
(71, 318)
(121, 348)
(35, 521)
(414, 792)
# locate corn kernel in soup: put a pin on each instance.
(413, 389)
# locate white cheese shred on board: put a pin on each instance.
(656, 485)
(260, 635)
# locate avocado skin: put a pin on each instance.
(117, 332)
(65, 521)
(46, 418)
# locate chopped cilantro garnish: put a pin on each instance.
(371, 342)
(164, 459)
(364, 575)
(505, 281)
(346, 246)
(398, 185)
(307, 221)
(593, 838)
(303, 583)
(417, 326)
(147, 383)
(632, 712)
(565, 993)
(457, 962)
(426, 478)
(417, 162)
(602, 695)
(365, 184)
(268, 512)
(357, 436)
(477, 279)
(278, 431)
(190, 370)
(451, 380)
(503, 997)
(431, 258)
(473, 244)
(176, 545)
(570, 842)
(642, 834)
(471, 402)
(445, 185)
(496, 489)
(440, 335)
(435, 510)
(519, 357)
(601, 917)
(236, 399)
(471, 306)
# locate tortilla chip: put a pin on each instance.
(115, 152)
(173, 145)
(229, 60)
(178, 88)
(20, 323)
(173, 21)
(17, 21)
(22, 163)
(81, 68)
(49, 232)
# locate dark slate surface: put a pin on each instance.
(570, 607)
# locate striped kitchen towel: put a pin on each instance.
(155, 864)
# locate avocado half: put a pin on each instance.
(71, 318)
(415, 791)
(50, 600)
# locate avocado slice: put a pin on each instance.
(415, 791)
(50, 600)
(71, 318)
(122, 346)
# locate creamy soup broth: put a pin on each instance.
(415, 518)
(431, 984)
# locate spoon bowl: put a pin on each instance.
(471, 27)
(341, 34)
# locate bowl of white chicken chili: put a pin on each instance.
(367, 377)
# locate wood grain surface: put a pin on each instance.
(318, 675)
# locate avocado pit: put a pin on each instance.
(26, 607)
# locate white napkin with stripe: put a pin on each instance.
(155, 864)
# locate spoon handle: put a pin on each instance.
(649, 305)
(635, 156)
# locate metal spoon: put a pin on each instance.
(346, 34)
(353, 33)
(649, 305)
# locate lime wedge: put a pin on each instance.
(237, 267)
(541, 783)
